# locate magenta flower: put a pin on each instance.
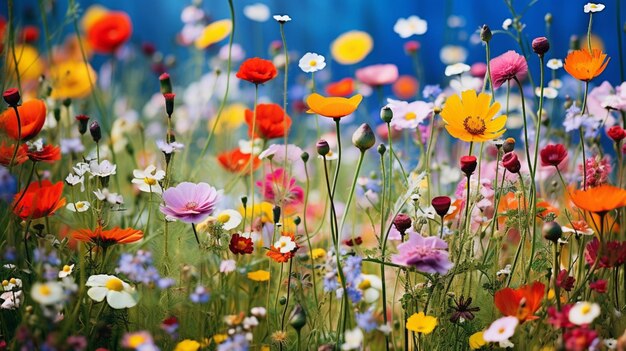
(377, 75)
(506, 67)
(428, 255)
(279, 187)
(190, 202)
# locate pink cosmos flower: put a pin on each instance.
(190, 202)
(428, 255)
(377, 75)
(279, 187)
(506, 67)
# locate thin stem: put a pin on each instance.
(582, 136)
(352, 188)
(19, 136)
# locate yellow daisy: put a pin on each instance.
(351, 47)
(472, 118)
(421, 323)
(259, 276)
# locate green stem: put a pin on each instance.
(582, 136)
(352, 188)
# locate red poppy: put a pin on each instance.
(39, 199)
(237, 162)
(279, 257)
(271, 121)
(257, 70)
(553, 155)
(598, 286)
(109, 32)
(342, 88)
(32, 118)
(240, 245)
(522, 302)
(48, 153)
(105, 238)
(30, 34)
(616, 133)
(6, 154)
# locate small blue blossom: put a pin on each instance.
(200, 295)
(237, 342)
(366, 320)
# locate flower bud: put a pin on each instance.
(297, 220)
(166, 83)
(322, 147)
(276, 213)
(67, 102)
(282, 300)
(511, 162)
(11, 96)
(82, 123)
(402, 223)
(297, 318)
(548, 18)
(468, 165)
(485, 33)
(441, 204)
(540, 46)
(552, 231)
(169, 103)
(616, 133)
(509, 145)
(304, 156)
(386, 114)
(381, 149)
(363, 137)
(94, 129)
(244, 201)
(411, 47)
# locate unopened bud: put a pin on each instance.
(363, 137)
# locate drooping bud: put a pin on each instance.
(511, 162)
(485, 33)
(67, 102)
(11, 96)
(411, 47)
(540, 46)
(386, 114)
(552, 231)
(94, 129)
(166, 83)
(441, 204)
(468, 164)
(322, 147)
(363, 137)
(82, 123)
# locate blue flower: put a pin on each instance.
(431, 91)
(200, 295)
(237, 342)
(366, 320)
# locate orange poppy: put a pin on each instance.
(333, 107)
(271, 121)
(279, 257)
(405, 87)
(522, 302)
(342, 88)
(236, 161)
(257, 70)
(6, 154)
(600, 199)
(39, 199)
(48, 153)
(32, 118)
(109, 31)
(105, 238)
(585, 66)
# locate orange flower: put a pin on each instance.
(275, 252)
(522, 302)
(405, 87)
(6, 153)
(48, 153)
(236, 161)
(39, 199)
(109, 31)
(600, 199)
(342, 88)
(333, 107)
(584, 66)
(105, 238)
(271, 121)
(32, 118)
(257, 70)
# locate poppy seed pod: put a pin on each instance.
(169, 103)
(381, 149)
(441, 204)
(540, 46)
(297, 318)
(511, 162)
(552, 231)
(11, 96)
(363, 137)
(94, 129)
(485, 33)
(386, 114)
(166, 83)
(322, 147)
(468, 164)
(402, 223)
(304, 156)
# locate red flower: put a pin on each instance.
(598, 286)
(30, 34)
(271, 121)
(104, 238)
(353, 241)
(257, 70)
(553, 155)
(616, 133)
(579, 339)
(48, 153)
(511, 162)
(39, 199)
(613, 253)
(240, 245)
(32, 118)
(237, 162)
(342, 88)
(522, 302)
(6, 153)
(560, 319)
(564, 281)
(109, 32)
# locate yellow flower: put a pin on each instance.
(259, 276)
(472, 119)
(421, 323)
(476, 340)
(333, 107)
(93, 13)
(265, 348)
(213, 33)
(264, 210)
(318, 253)
(351, 47)
(220, 338)
(29, 66)
(232, 118)
(187, 345)
(72, 79)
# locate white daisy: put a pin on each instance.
(282, 18)
(78, 206)
(230, 219)
(48, 293)
(584, 312)
(11, 284)
(106, 195)
(312, 62)
(591, 7)
(251, 146)
(285, 244)
(406, 27)
(257, 12)
(118, 293)
(456, 69)
(554, 64)
(548, 92)
(67, 270)
(148, 179)
(353, 339)
(371, 285)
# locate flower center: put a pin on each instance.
(474, 125)
(67, 268)
(365, 284)
(5, 283)
(79, 205)
(12, 281)
(45, 290)
(114, 284)
(223, 217)
(585, 309)
(191, 205)
(136, 341)
(313, 63)
(283, 244)
(149, 181)
(410, 116)
(501, 331)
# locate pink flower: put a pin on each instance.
(560, 319)
(428, 255)
(598, 171)
(190, 202)
(506, 67)
(579, 339)
(279, 187)
(376, 75)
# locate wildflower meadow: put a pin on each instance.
(233, 186)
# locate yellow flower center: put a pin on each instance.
(67, 268)
(313, 63)
(410, 116)
(594, 6)
(501, 330)
(150, 181)
(365, 284)
(12, 281)
(223, 217)
(114, 284)
(283, 244)
(80, 205)
(136, 340)
(5, 282)
(585, 309)
(44, 290)
(474, 125)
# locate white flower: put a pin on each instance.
(554, 64)
(259, 312)
(67, 270)
(106, 195)
(230, 219)
(78, 206)
(385, 328)
(48, 293)
(12, 284)
(548, 92)
(312, 62)
(11, 300)
(610, 344)
(250, 322)
(456, 69)
(584, 312)
(409, 115)
(81, 168)
(257, 12)
(191, 14)
(72, 180)
(118, 293)
(507, 23)
(254, 146)
(371, 285)
(406, 27)
(501, 329)
(285, 244)
(227, 266)
(353, 339)
(592, 7)
(506, 271)
(584, 230)
(148, 179)
(102, 169)
(168, 148)
(282, 18)
(35, 146)
(450, 54)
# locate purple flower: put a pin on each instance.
(190, 202)
(366, 320)
(200, 295)
(427, 255)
